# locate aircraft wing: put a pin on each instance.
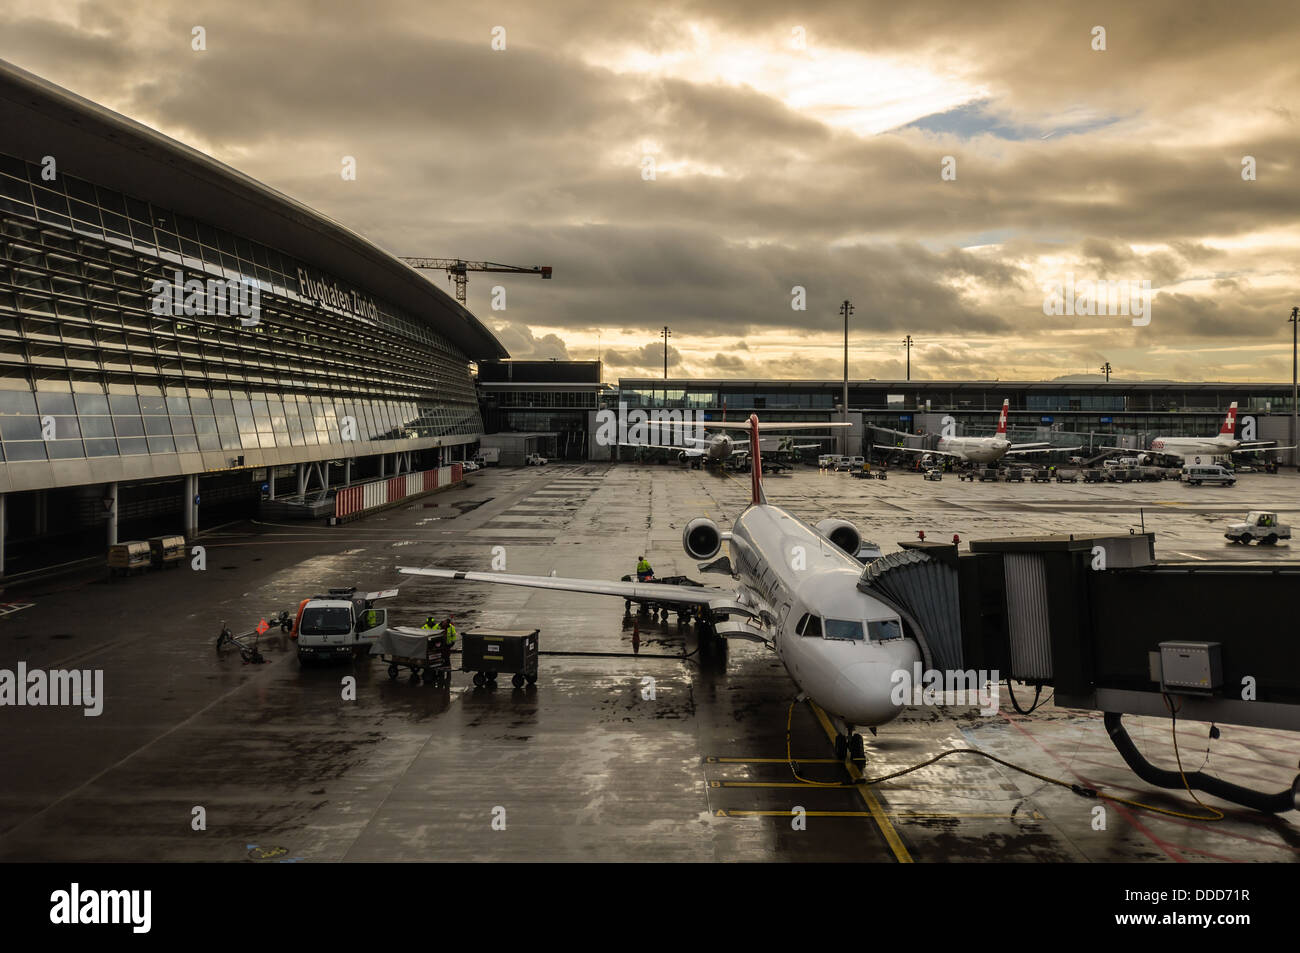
(1030, 448)
(689, 451)
(1259, 449)
(709, 597)
(772, 425)
(937, 453)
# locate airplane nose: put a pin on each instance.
(864, 689)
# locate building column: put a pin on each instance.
(324, 474)
(302, 479)
(347, 472)
(190, 510)
(270, 482)
(110, 495)
(383, 465)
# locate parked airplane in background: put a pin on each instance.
(796, 589)
(1202, 449)
(979, 449)
(718, 447)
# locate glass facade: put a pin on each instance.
(88, 368)
(578, 400)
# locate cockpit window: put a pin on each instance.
(884, 630)
(810, 626)
(847, 629)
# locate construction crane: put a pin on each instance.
(458, 270)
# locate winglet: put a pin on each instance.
(755, 462)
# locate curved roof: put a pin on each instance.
(40, 119)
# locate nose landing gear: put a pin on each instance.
(851, 745)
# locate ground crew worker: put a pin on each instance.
(448, 642)
(430, 625)
(643, 570)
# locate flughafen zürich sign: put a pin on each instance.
(327, 292)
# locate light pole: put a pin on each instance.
(1106, 369)
(1295, 411)
(666, 335)
(846, 309)
(907, 343)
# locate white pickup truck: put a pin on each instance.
(340, 624)
(1261, 525)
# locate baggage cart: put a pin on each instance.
(492, 652)
(167, 551)
(421, 651)
(125, 559)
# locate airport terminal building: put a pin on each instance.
(1128, 413)
(178, 341)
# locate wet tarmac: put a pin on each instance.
(611, 756)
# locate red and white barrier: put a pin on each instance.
(355, 500)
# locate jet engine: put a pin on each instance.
(701, 538)
(842, 533)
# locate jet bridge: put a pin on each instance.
(1110, 630)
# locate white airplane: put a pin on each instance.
(979, 449)
(1204, 449)
(795, 588)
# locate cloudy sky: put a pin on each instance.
(940, 164)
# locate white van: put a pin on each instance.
(1212, 473)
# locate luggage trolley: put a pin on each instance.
(490, 652)
(417, 649)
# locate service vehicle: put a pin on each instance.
(535, 460)
(1208, 473)
(1261, 525)
(934, 473)
(340, 624)
(488, 456)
